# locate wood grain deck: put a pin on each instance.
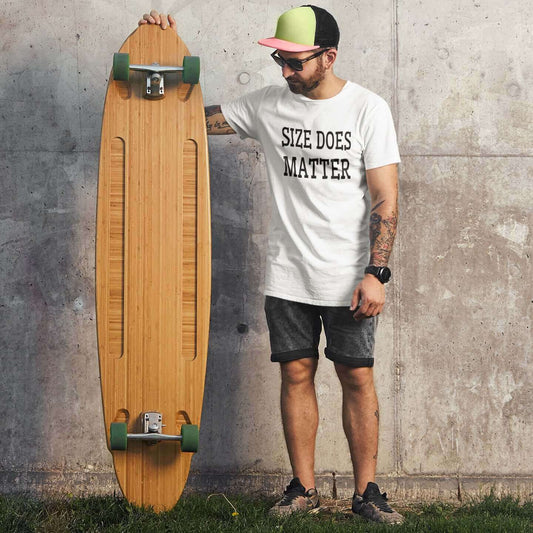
(153, 265)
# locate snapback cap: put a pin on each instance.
(304, 28)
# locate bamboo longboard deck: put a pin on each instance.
(153, 272)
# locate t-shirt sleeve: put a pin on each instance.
(241, 114)
(379, 137)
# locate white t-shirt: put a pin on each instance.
(316, 154)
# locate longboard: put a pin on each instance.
(153, 264)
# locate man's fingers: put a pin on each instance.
(358, 315)
(361, 311)
(368, 309)
(155, 15)
(172, 22)
(373, 311)
(155, 18)
(355, 299)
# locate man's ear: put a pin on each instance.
(329, 57)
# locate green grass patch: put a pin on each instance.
(199, 514)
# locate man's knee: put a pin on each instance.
(298, 372)
(355, 378)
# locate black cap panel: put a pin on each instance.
(327, 31)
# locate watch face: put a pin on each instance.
(384, 274)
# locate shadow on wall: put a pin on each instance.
(238, 327)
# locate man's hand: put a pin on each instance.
(161, 20)
(369, 295)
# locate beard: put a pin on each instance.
(298, 86)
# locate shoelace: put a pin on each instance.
(290, 492)
(380, 501)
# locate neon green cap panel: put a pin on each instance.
(297, 25)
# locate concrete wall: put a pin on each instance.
(453, 356)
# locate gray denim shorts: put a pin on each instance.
(295, 333)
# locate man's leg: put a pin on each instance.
(351, 347)
(294, 330)
(299, 412)
(360, 417)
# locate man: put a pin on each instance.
(331, 155)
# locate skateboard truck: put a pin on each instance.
(155, 80)
(152, 424)
(155, 85)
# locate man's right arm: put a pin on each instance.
(215, 122)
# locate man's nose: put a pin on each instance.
(287, 71)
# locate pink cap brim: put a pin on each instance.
(286, 46)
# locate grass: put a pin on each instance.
(243, 514)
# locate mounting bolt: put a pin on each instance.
(242, 328)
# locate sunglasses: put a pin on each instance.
(294, 64)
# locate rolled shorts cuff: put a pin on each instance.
(283, 357)
(354, 362)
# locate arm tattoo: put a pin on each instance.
(215, 122)
(211, 110)
(382, 233)
(377, 205)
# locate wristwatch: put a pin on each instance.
(382, 273)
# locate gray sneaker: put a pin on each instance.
(295, 499)
(373, 506)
